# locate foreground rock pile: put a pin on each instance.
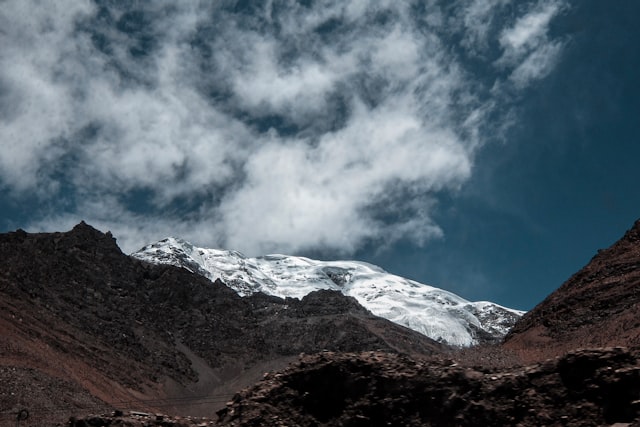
(583, 388)
(138, 419)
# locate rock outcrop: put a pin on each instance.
(582, 388)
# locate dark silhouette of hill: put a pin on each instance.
(84, 326)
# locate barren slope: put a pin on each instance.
(82, 314)
(598, 306)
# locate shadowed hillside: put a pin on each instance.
(85, 327)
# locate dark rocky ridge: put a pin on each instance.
(76, 309)
(583, 388)
(598, 306)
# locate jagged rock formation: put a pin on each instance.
(76, 309)
(598, 306)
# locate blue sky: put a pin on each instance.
(488, 147)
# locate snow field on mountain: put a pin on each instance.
(434, 312)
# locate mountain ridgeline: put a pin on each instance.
(574, 360)
(598, 306)
(436, 313)
(87, 329)
(116, 329)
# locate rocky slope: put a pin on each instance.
(436, 313)
(598, 306)
(101, 329)
(540, 376)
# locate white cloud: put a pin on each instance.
(263, 85)
(529, 29)
(536, 65)
(527, 48)
(292, 128)
(305, 196)
(37, 106)
(478, 16)
(132, 230)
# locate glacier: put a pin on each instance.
(436, 313)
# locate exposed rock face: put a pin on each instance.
(583, 388)
(598, 306)
(75, 308)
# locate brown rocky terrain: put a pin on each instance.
(598, 306)
(582, 388)
(572, 361)
(557, 366)
(85, 328)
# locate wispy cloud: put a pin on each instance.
(479, 17)
(527, 46)
(281, 127)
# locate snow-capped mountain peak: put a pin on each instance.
(437, 313)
